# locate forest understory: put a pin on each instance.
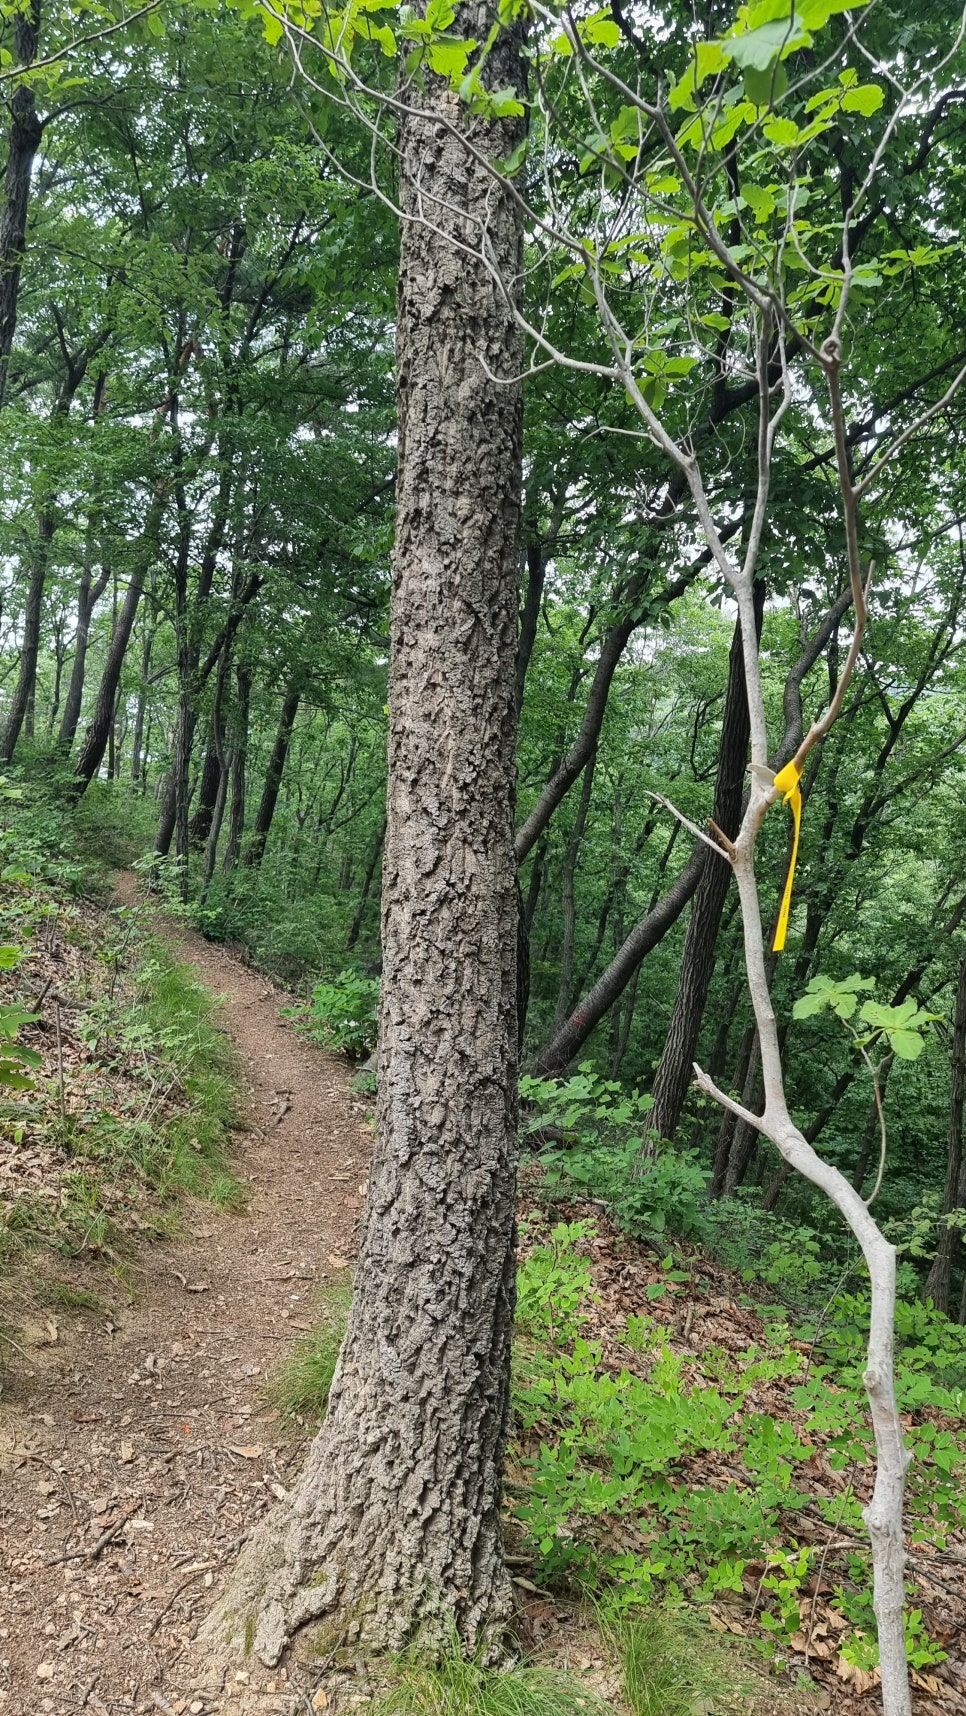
(141, 1437)
(482, 832)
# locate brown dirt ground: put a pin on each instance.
(147, 1417)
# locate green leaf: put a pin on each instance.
(449, 59)
(908, 1045)
(760, 200)
(601, 30)
(440, 14)
(766, 87)
(9, 957)
(782, 132)
(512, 165)
(774, 40)
(708, 59)
(866, 98)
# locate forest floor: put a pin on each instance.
(135, 1452)
(137, 1448)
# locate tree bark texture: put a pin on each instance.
(675, 1069)
(23, 141)
(393, 1533)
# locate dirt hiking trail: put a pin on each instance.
(135, 1449)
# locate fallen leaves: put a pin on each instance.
(859, 1680)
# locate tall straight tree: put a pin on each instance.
(394, 1529)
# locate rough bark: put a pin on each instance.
(676, 1067)
(394, 1530)
(23, 141)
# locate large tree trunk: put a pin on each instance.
(394, 1533)
(265, 814)
(140, 744)
(675, 1069)
(568, 896)
(23, 141)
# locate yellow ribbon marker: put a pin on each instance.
(786, 781)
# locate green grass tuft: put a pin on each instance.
(670, 1663)
(176, 1020)
(68, 1298)
(457, 1687)
(299, 1390)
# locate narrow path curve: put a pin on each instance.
(146, 1423)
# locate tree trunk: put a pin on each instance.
(676, 1067)
(30, 648)
(567, 1042)
(88, 595)
(95, 743)
(214, 832)
(239, 753)
(139, 756)
(23, 141)
(394, 1531)
(568, 895)
(937, 1281)
(530, 614)
(360, 911)
(199, 826)
(273, 779)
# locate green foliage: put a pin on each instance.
(609, 1453)
(608, 1152)
(670, 1663)
(899, 1029)
(153, 1022)
(14, 1056)
(342, 1014)
(455, 1686)
(774, 1250)
(299, 1389)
